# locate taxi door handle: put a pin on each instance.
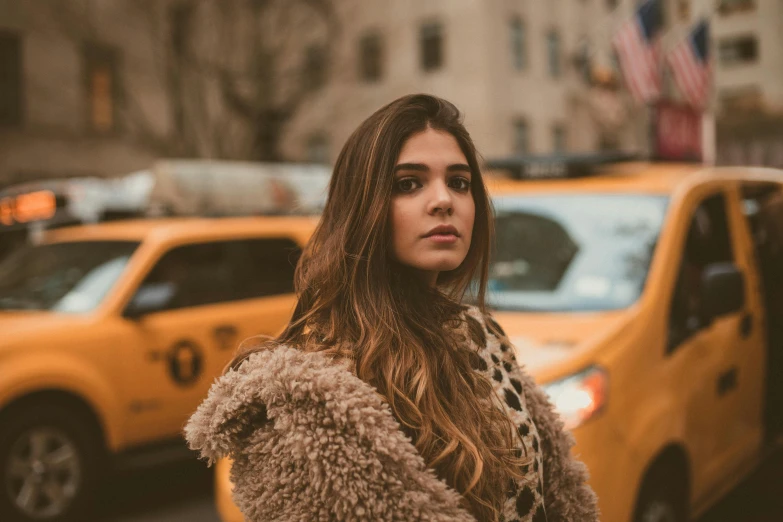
(225, 336)
(746, 326)
(727, 381)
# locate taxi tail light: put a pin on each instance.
(579, 397)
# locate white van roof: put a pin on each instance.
(228, 188)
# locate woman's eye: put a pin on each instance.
(460, 183)
(407, 185)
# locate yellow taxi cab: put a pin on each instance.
(646, 300)
(111, 335)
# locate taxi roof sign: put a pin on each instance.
(558, 166)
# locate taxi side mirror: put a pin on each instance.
(148, 299)
(133, 312)
(722, 291)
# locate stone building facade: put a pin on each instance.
(59, 97)
(748, 45)
(515, 68)
(104, 87)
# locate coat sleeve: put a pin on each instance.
(567, 496)
(226, 419)
(311, 441)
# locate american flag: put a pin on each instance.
(637, 48)
(690, 63)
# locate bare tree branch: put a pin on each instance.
(231, 72)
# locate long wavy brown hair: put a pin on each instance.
(407, 339)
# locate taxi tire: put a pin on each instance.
(664, 490)
(82, 434)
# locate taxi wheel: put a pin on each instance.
(49, 464)
(664, 496)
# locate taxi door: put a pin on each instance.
(706, 357)
(187, 318)
(750, 353)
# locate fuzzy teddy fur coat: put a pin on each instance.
(310, 441)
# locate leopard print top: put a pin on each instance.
(525, 502)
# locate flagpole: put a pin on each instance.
(709, 135)
(708, 138)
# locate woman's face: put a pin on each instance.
(432, 208)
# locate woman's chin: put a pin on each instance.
(440, 265)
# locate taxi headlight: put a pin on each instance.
(579, 397)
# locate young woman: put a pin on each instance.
(386, 398)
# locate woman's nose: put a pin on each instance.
(440, 200)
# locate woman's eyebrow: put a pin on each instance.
(421, 167)
(458, 167)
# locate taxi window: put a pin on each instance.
(708, 241)
(573, 252)
(218, 272)
(265, 266)
(70, 277)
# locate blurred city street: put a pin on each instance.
(184, 493)
(181, 492)
(757, 499)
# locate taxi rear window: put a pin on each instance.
(70, 277)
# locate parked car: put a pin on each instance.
(111, 336)
(645, 298)
(170, 187)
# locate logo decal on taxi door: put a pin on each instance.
(185, 362)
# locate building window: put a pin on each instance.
(315, 67)
(318, 149)
(553, 54)
(726, 7)
(521, 144)
(518, 46)
(180, 33)
(180, 18)
(371, 57)
(741, 100)
(10, 79)
(583, 62)
(559, 144)
(684, 10)
(608, 142)
(102, 87)
(738, 51)
(431, 39)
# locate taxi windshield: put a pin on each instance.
(71, 277)
(567, 253)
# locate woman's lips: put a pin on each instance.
(442, 238)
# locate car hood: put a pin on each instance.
(20, 326)
(545, 341)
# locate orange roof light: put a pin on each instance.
(33, 206)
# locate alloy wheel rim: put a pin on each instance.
(43, 473)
